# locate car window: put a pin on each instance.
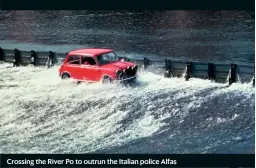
(88, 61)
(107, 58)
(74, 59)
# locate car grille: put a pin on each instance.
(129, 72)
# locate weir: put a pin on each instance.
(171, 68)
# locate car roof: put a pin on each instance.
(90, 51)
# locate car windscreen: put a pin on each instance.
(107, 58)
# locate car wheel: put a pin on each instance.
(65, 76)
(106, 79)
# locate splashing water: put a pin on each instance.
(40, 113)
(184, 73)
(238, 78)
(229, 74)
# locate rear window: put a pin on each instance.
(74, 59)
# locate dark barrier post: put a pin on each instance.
(1, 54)
(232, 77)
(167, 72)
(146, 63)
(253, 81)
(50, 61)
(211, 73)
(17, 57)
(189, 71)
(33, 57)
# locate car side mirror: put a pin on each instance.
(85, 63)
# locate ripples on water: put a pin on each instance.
(195, 35)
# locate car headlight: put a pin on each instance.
(118, 72)
(134, 68)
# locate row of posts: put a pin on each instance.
(211, 72)
(188, 75)
(33, 58)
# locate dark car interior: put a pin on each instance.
(85, 60)
(88, 61)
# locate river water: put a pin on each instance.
(215, 36)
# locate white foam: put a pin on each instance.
(40, 113)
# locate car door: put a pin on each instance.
(89, 69)
(73, 66)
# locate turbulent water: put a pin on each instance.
(40, 113)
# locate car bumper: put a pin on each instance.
(126, 80)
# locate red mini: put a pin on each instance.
(95, 65)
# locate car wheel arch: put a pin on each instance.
(106, 77)
(66, 73)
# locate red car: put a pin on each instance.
(95, 64)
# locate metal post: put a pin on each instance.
(189, 71)
(50, 61)
(17, 59)
(253, 81)
(211, 72)
(146, 63)
(1, 54)
(33, 57)
(167, 72)
(232, 77)
(52, 56)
